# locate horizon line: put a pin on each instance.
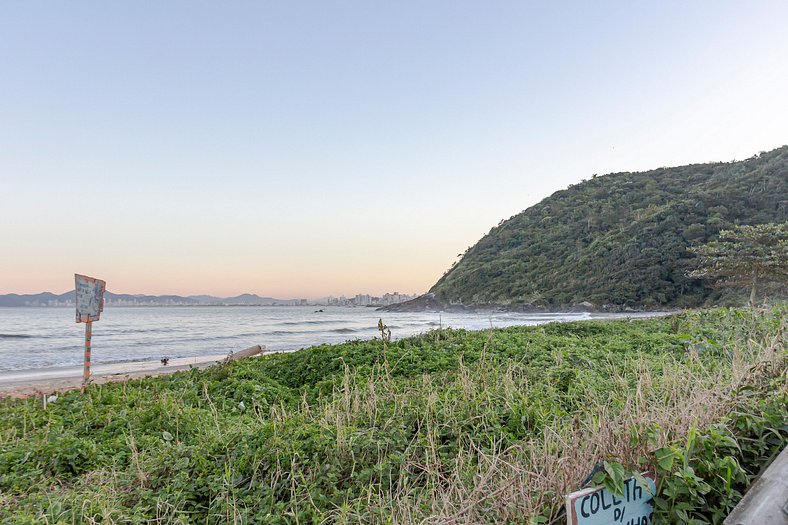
(225, 297)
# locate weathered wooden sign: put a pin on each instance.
(90, 298)
(90, 303)
(599, 506)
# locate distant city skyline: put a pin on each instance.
(66, 299)
(313, 149)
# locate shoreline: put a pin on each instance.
(37, 382)
(28, 383)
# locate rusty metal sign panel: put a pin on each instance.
(89, 298)
(599, 506)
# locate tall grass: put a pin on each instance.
(469, 427)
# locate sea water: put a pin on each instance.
(42, 338)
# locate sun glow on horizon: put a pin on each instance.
(294, 152)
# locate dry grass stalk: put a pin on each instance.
(521, 480)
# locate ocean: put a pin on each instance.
(44, 338)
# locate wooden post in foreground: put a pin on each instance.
(86, 370)
(89, 299)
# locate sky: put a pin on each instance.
(301, 149)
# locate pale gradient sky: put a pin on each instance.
(300, 149)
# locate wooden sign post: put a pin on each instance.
(599, 506)
(90, 303)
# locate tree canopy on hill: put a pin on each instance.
(745, 256)
(621, 239)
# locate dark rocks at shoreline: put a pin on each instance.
(429, 303)
(424, 303)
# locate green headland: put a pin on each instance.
(619, 240)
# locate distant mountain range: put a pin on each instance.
(113, 299)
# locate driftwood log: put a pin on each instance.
(242, 354)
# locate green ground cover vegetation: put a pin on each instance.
(451, 426)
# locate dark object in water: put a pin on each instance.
(165, 360)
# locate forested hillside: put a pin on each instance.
(619, 239)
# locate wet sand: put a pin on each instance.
(28, 383)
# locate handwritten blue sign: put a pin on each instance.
(599, 506)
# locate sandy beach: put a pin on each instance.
(28, 383)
